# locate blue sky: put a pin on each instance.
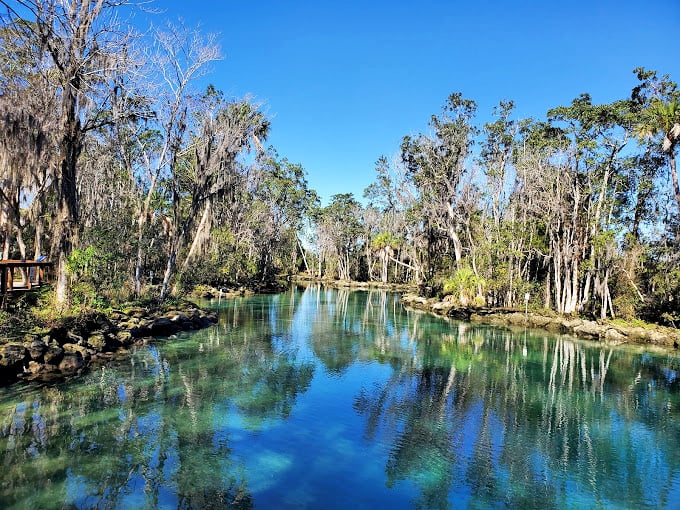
(344, 81)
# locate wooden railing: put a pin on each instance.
(32, 275)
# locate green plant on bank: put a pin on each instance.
(82, 266)
(465, 286)
(639, 323)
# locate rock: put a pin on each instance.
(516, 318)
(614, 336)
(589, 329)
(138, 332)
(442, 306)
(539, 321)
(36, 349)
(461, 314)
(638, 333)
(74, 339)
(72, 362)
(34, 367)
(163, 327)
(53, 355)
(569, 324)
(124, 337)
(97, 341)
(13, 354)
(76, 349)
(658, 338)
(177, 317)
(136, 313)
(556, 324)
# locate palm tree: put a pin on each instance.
(663, 117)
(385, 244)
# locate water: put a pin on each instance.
(338, 399)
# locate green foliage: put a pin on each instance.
(385, 239)
(82, 263)
(86, 267)
(464, 286)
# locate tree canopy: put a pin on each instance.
(116, 162)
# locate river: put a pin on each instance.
(324, 398)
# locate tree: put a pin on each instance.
(180, 57)
(339, 229)
(224, 130)
(658, 103)
(436, 164)
(84, 49)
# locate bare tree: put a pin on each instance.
(180, 57)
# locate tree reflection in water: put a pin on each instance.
(152, 430)
(441, 413)
(475, 417)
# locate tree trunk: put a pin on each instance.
(37, 243)
(169, 270)
(674, 176)
(302, 251)
(201, 233)
(67, 216)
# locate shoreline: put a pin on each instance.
(69, 349)
(612, 333)
(607, 332)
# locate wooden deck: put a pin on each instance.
(21, 276)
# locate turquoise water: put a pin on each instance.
(339, 399)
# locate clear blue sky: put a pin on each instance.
(344, 81)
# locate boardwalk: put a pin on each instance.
(21, 275)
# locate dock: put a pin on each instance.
(21, 276)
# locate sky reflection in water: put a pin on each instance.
(340, 399)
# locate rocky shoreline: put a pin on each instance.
(70, 348)
(609, 332)
(351, 284)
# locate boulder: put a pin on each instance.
(177, 317)
(34, 367)
(76, 349)
(516, 318)
(462, 314)
(539, 321)
(124, 337)
(442, 307)
(71, 363)
(74, 338)
(614, 336)
(98, 341)
(53, 355)
(163, 327)
(13, 356)
(36, 349)
(589, 329)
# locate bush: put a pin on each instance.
(464, 285)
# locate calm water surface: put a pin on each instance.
(338, 399)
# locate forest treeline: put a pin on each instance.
(136, 179)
